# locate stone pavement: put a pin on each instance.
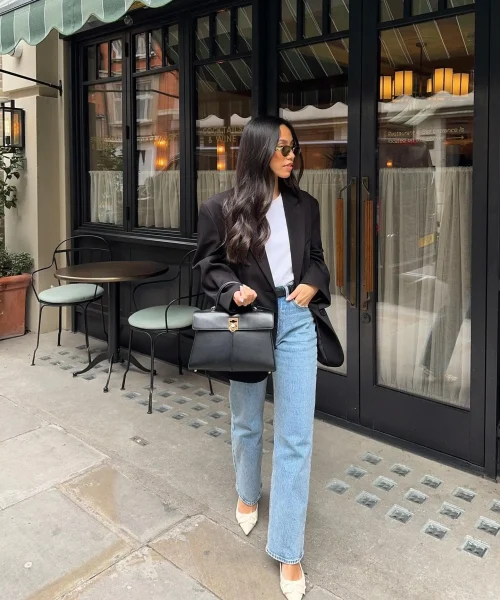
(100, 501)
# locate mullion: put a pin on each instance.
(442, 5)
(221, 59)
(211, 35)
(326, 21)
(148, 50)
(338, 35)
(100, 81)
(407, 12)
(233, 31)
(164, 33)
(156, 71)
(129, 125)
(427, 17)
(187, 127)
(300, 19)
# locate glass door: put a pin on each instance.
(389, 101)
(422, 187)
(319, 76)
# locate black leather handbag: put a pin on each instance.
(239, 342)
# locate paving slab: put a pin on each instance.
(223, 562)
(48, 545)
(318, 593)
(15, 420)
(142, 575)
(40, 459)
(353, 551)
(125, 503)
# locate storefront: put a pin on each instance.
(394, 105)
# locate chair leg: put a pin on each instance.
(104, 321)
(42, 306)
(179, 357)
(210, 383)
(60, 327)
(87, 331)
(152, 380)
(131, 334)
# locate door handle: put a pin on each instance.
(340, 242)
(368, 245)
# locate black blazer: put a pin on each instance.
(303, 221)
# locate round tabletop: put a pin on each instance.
(114, 271)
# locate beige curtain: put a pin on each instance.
(423, 310)
(213, 182)
(159, 201)
(106, 197)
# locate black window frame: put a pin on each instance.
(145, 21)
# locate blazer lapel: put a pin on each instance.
(265, 268)
(296, 232)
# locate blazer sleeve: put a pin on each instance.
(210, 259)
(317, 274)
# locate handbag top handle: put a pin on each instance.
(221, 289)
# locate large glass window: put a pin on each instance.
(223, 98)
(105, 133)
(157, 142)
(425, 150)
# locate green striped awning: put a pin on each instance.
(33, 20)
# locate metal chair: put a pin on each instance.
(173, 317)
(72, 294)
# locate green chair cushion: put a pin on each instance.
(71, 293)
(179, 317)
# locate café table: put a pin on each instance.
(113, 273)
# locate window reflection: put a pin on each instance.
(314, 97)
(157, 150)
(425, 155)
(116, 58)
(105, 153)
(288, 23)
(391, 10)
(339, 15)
(224, 108)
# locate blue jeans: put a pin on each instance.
(294, 402)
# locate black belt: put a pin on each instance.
(284, 290)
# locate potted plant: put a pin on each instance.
(11, 165)
(15, 269)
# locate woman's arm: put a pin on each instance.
(211, 260)
(317, 274)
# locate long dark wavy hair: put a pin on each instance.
(245, 209)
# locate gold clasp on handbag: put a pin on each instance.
(233, 324)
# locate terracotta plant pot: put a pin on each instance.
(13, 305)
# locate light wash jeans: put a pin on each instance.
(294, 401)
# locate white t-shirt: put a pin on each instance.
(278, 244)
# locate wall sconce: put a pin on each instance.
(386, 88)
(443, 80)
(403, 83)
(11, 126)
(460, 84)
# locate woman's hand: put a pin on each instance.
(245, 296)
(303, 294)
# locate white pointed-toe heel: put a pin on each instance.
(293, 590)
(247, 521)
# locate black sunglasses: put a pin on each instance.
(285, 150)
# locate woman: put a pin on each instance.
(265, 234)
